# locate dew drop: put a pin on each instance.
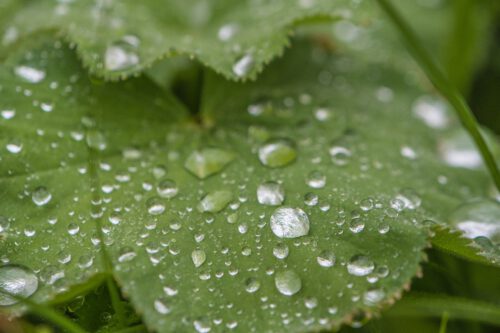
(30, 74)
(14, 147)
(326, 258)
(215, 201)
(198, 257)
(96, 140)
(122, 54)
(277, 153)
(227, 32)
(316, 179)
(271, 194)
(41, 196)
(373, 297)
(126, 254)
(289, 222)
(208, 161)
(287, 282)
(162, 306)
(167, 189)
(281, 251)
(4, 224)
(478, 219)
(340, 155)
(155, 206)
(16, 280)
(252, 285)
(360, 265)
(243, 65)
(8, 114)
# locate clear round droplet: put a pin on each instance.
(167, 189)
(277, 153)
(287, 222)
(316, 179)
(326, 258)
(252, 285)
(155, 206)
(271, 194)
(281, 251)
(198, 257)
(360, 265)
(287, 282)
(41, 196)
(16, 280)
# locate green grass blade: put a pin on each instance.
(434, 305)
(442, 84)
(48, 314)
(444, 322)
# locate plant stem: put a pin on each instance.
(434, 305)
(444, 322)
(48, 314)
(442, 84)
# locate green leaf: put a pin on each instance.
(292, 203)
(117, 39)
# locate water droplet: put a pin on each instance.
(167, 188)
(198, 257)
(162, 306)
(16, 280)
(14, 147)
(122, 54)
(96, 140)
(373, 297)
(289, 222)
(311, 302)
(126, 254)
(410, 198)
(30, 74)
(243, 65)
(360, 265)
(326, 258)
(280, 251)
(227, 32)
(316, 179)
(277, 153)
(41, 196)
(366, 204)
(208, 161)
(215, 201)
(155, 206)
(322, 114)
(202, 325)
(432, 111)
(8, 114)
(51, 274)
(287, 282)
(478, 219)
(270, 193)
(252, 285)
(356, 225)
(4, 224)
(340, 155)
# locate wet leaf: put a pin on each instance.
(293, 203)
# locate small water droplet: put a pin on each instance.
(270, 193)
(8, 114)
(243, 65)
(41, 196)
(289, 222)
(162, 306)
(30, 74)
(252, 285)
(122, 54)
(14, 147)
(340, 155)
(96, 140)
(316, 179)
(281, 251)
(287, 282)
(478, 219)
(432, 111)
(373, 297)
(360, 265)
(326, 258)
(277, 153)
(155, 206)
(227, 32)
(167, 189)
(126, 254)
(16, 280)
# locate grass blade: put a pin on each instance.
(442, 84)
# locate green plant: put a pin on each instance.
(228, 190)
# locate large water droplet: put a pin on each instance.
(280, 251)
(289, 222)
(208, 161)
(277, 153)
(287, 282)
(360, 265)
(122, 54)
(478, 219)
(270, 193)
(41, 196)
(16, 280)
(215, 201)
(30, 74)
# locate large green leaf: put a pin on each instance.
(118, 38)
(193, 243)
